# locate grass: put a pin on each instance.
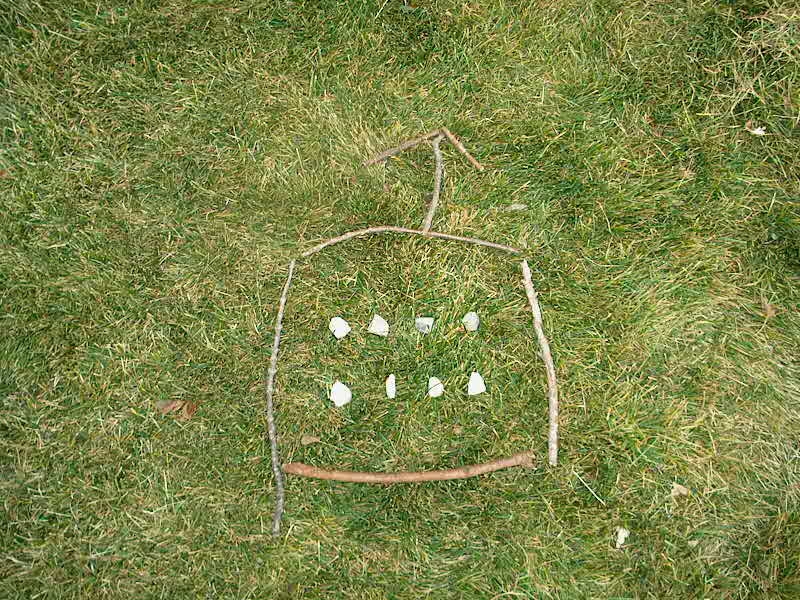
(161, 162)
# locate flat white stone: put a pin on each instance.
(339, 327)
(340, 394)
(424, 324)
(391, 386)
(378, 326)
(622, 536)
(471, 321)
(435, 387)
(476, 384)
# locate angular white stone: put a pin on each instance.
(340, 394)
(435, 387)
(424, 324)
(471, 321)
(378, 326)
(339, 327)
(476, 384)
(391, 386)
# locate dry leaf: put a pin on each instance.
(458, 430)
(307, 440)
(770, 310)
(189, 408)
(167, 406)
(679, 490)
(4, 174)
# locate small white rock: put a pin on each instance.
(622, 536)
(339, 327)
(476, 384)
(378, 326)
(517, 206)
(435, 387)
(391, 386)
(471, 321)
(424, 324)
(340, 394)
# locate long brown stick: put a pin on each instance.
(437, 184)
(547, 357)
(518, 460)
(269, 390)
(399, 148)
(455, 141)
(392, 229)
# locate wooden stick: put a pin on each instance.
(404, 146)
(547, 357)
(392, 229)
(437, 184)
(455, 141)
(518, 460)
(269, 390)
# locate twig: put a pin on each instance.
(269, 390)
(404, 146)
(455, 141)
(599, 499)
(547, 357)
(518, 460)
(392, 229)
(437, 184)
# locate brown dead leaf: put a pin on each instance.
(770, 310)
(167, 406)
(189, 408)
(679, 490)
(307, 440)
(4, 174)
(458, 430)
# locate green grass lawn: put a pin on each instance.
(161, 162)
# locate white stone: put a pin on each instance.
(340, 394)
(391, 386)
(339, 327)
(471, 321)
(622, 536)
(517, 206)
(435, 387)
(424, 324)
(378, 326)
(476, 384)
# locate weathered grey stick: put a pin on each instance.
(437, 183)
(404, 146)
(547, 357)
(455, 141)
(392, 229)
(523, 459)
(269, 390)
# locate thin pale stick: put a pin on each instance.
(392, 229)
(404, 146)
(547, 357)
(455, 141)
(280, 494)
(586, 485)
(437, 184)
(524, 459)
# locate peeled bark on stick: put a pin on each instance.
(393, 229)
(550, 369)
(523, 459)
(269, 390)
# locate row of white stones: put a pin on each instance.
(378, 325)
(340, 394)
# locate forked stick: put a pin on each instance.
(269, 390)
(524, 459)
(547, 357)
(399, 148)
